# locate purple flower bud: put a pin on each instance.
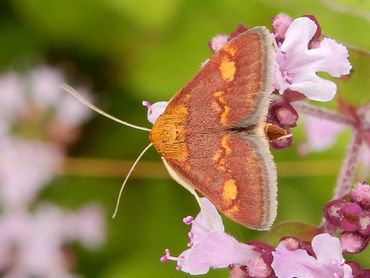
(364, 223)
(283, 142)
(314, 42)
(332, 212)
(358, 271)
(218, 42)
(266, 255)
(353, 242)
(284, 113)
(240, 29)
(238, 272)
(258, 268)
(291, 243)
(350, 217)
(280, 24)
(361, 195)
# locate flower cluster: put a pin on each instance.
(322, 133)
(211, 247)
(37, 122)
(350, 217)
(301, 53)
(37, 243)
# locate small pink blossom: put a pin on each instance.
(321, 134)
(258, 268)
(210, 246)
(87, 226)
(280, 24)
(45, 85)
(155, 109)
(329, 261)
(361, 194)
(33, 244)
(72, 112)
(218, 42)
(12, 96)
(353, 242)
(25, 168)
(297, 64)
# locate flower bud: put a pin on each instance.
(332, 212)
(353, 242)
(361, 195)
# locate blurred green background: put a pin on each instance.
(128, 51)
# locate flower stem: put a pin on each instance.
(322, 113)
(347, 172)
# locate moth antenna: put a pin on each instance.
(77, 95)
(127, 176)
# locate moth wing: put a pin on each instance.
(236, 173)
(234, 85)
(194, 134)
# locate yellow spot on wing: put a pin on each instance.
(217, 156)
(219, 95)
(224, 115)
(230, 49)
(232, 211)
(227, 69)
(229, 190)
(225, 143)
(215, 106)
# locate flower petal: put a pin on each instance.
(207, 220)
(280, 24)
(335, 60)
(155, 110)
(218, 42)
(321, 134)
(216, 250)
(315, 88)
(327, 248)
(298, 35)
(295, 263)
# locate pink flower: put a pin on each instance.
(218, 42)
(329, 261)
(86, 226)
(297, 64)
(353, 242)
(155, 109)
(39, 240)
(361, 194)
(280, 24)
(70, 111)
(25, 168)
(321, 134)
(45, 85)
(12, 100)
(210, 246)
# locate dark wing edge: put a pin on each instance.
(263, 151)
(260, 140)
(267, 42)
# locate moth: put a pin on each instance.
(212, 135)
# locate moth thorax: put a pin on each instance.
(168, 137)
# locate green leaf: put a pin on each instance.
(302, 231)
(355, 87)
